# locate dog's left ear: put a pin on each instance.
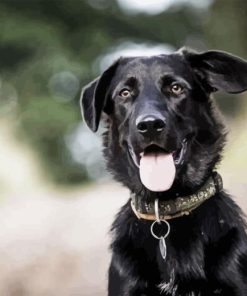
(94, 98)
(223, 71)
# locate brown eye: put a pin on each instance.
(177, 89)
(125, 93)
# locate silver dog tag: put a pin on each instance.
(161, 238)
(162, 245)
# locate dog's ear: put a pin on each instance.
(222, 70)
(94, 98)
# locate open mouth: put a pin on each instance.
(153, 149)
(157, 166)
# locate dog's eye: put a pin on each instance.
(177, 89)
(125, 93)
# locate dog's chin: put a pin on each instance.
(158, 167)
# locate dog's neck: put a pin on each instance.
(178, 206)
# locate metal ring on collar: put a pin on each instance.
(162, 236)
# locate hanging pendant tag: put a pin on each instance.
(161, 225)
(162, 245)
(161, 238)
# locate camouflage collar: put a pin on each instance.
(174, 208)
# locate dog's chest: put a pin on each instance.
(181, 265)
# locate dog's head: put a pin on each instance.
(163, 128)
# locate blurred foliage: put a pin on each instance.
(225, 26)
(42, 39)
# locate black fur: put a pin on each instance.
(207, 250)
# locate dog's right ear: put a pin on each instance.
(223, 71)
(94, 98)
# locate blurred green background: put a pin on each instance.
(57, 200)
(49, 49)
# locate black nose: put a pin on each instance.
(150, 126)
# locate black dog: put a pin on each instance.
(163, 140)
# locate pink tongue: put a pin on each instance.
(157, 171)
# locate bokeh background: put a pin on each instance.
(57, 200)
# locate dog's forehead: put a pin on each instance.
(152, 66)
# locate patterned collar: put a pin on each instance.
(174, 208)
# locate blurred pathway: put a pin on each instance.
(57, 244)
